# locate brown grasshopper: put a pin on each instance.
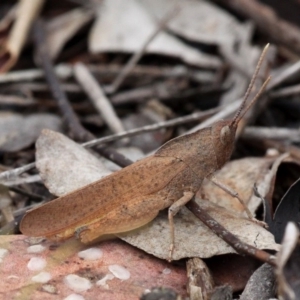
(133, 196)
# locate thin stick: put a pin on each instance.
(70, 118)
(10, 174)
(27, 11)
(98, 97)
(240, 247)
(149, 128)
(136, 57)
(33, 196)
(105, 72)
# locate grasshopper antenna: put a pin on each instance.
(239, 115)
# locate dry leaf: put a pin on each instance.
(64, 165)
(116, 30)
(63, 27)
(240, 175)
(18, 132)
(193, 238)
(200, 21)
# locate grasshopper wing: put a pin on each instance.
(97, 199)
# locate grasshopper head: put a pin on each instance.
(223, 136)
(223, 132)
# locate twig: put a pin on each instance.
(9, 174)
(283, 75)
(62, 71)
(275, 133)
(27, 11)
(224, 113)
(267, 21)
(148, 128)
(16, 100)
(70, 118)
(136, 57)
(106, 72)
(137, 95)
(98, 97)
(42, 87)
(163, 91)
(240, 247)
(33, 196)
(279, 145)
(18, 181)
(287, 91)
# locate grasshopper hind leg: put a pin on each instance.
(173, 210)
(135, 214)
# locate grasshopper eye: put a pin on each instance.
(225, 135)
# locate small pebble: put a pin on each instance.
(74, 297)
(42, 277)
(91, 254)
(35, 249)
(3, 253)
(49, 288)
(102, 282)
(166, 271)
(119, 272)
(77, 284)
(36, 264)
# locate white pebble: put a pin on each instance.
(76, 283)
(119, 272)
(49, 288)
(42, 277)
(36, 249)
(272, 152)
(36, 264)
(166, 271)
(91, 254)
(13, 277)
(102, 282)
(74, 297)
(3, 253)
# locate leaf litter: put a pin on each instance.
(226, 51)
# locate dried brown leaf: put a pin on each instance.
(200, 21)
(116, 30)
(18, 132)
(63, 27)
(64, 165)
(193, 238)
(240, 175)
